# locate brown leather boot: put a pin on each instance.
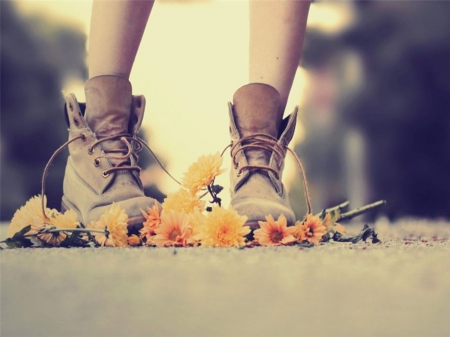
(102, 166)
(259, 137)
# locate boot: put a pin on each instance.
(102, 165)
(258, 151)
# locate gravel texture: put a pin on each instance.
(398, 288)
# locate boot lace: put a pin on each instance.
(254, 142)
(134, 145)
(261, 141)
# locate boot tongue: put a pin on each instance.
(108, 107)
(257, 109)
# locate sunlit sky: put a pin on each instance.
(192, 58)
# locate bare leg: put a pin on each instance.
(277, 28)
(116, 32)
(111, 116)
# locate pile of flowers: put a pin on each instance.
(183, 220)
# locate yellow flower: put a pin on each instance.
(134, 240)
(68, 219)
(274, 233)
(196, 220)
(115, 221)
(201, 173)
(332, 226)
(24, 215)
(328, 223)
(310, 230)
(339, 228)
(152, 221)
(223, 228)
(174, 230)
(182, 201)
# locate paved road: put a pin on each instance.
(398, 288)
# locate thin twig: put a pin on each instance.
(361, 210)
(335, 208)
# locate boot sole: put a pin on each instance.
(134, 223)
(254, 225)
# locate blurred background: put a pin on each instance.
(373, 88)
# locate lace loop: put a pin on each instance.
(258, 141)
(269, 143)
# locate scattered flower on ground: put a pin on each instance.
(134, 240)
(310, 230)
(201, 173)
(224, 228)
(196, 220)
(152, 221)
(68, 219)
(114, 220)
(182, 201)
(331, 226)
(274, 233)
(61, 221)
(174, 230)
(25, 215)
(339, 228)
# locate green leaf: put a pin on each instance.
(18, 242)
(216, 189)
(74, 240)
(23, 231)
(70, 240)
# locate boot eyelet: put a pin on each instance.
(90, 151)
(239, 174)
(83, 137)
(105, 174)
(76, 122)
(97, 162)
(236, 166)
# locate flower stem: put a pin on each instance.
(57, 230)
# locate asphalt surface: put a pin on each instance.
(398, 288)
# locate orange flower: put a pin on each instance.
(201, 173)
(223, 228)
(274, 233)
(174, 230)
(310, 230)
(152, 221)
(182, 201)
(114, 220)
(134, 240)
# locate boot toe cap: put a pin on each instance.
(256, 210)
(132, 207)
